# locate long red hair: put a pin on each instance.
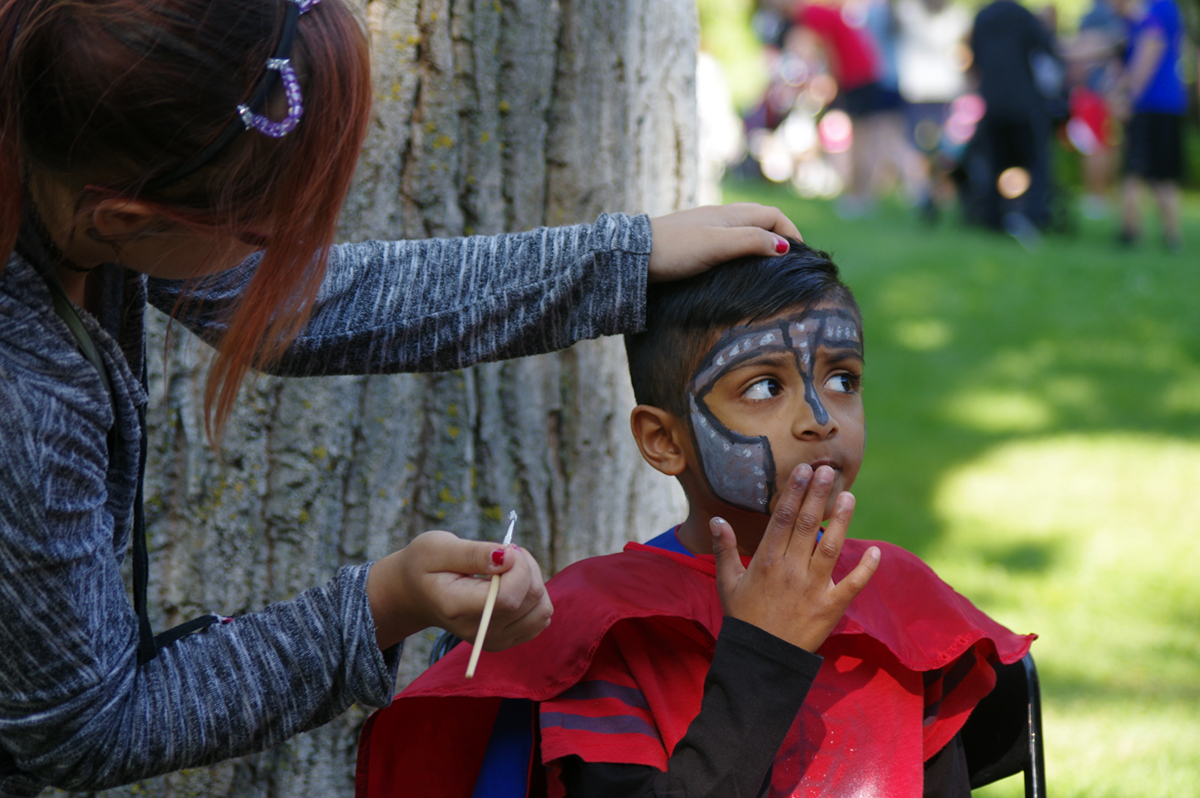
(111, 93)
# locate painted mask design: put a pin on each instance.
(740, 469)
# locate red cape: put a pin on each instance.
(431, 741)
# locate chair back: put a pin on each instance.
(1003, 736)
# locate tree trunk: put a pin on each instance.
(490, 116)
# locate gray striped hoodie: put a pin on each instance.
(76, 709)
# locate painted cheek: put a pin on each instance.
(740, 470)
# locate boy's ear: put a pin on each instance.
(662, 439)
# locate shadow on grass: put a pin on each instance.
(1026, 558)
(1073, 688)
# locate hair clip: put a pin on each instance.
(291, 88)
(279, 66)
(280, 63)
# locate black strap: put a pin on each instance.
(66, 312)
(148, 643)
(147, 650)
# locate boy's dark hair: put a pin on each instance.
(684, 318)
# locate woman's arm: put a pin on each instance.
(446, 303)
(76, 708)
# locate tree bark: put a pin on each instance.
(490, 116)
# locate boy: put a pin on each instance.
(673, 668)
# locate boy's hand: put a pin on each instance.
(431, 582)
(689, 242)
(788, 589)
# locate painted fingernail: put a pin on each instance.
(801, 474)
(498, 557)
(781, 245)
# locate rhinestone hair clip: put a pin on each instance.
(279, 67)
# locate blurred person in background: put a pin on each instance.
(1152, 97)
(854, 62)
(1008, 160)
(931, 62)
(1094, 68)
(1049, 69)
(894, 158)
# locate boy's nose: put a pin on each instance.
(813, 421)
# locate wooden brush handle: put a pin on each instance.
(488, 606)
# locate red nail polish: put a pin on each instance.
(781, 246)
(498, 557)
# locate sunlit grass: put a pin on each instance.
(1088, 539)
(1034, 433)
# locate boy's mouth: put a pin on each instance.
(815, 464)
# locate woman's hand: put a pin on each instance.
(689, 242)
(431, 582)
(788, 590)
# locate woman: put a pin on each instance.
(194, 154)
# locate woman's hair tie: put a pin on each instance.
(279, 67)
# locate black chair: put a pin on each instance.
(1003, 736)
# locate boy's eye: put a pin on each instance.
(763, 389)
(843, 383)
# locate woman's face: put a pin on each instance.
(182, 254)
(138, 236)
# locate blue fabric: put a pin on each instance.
(1166, 92)
(600, 688)
(1103, 17)
(607, 724)
(669, 541)
(505, 771)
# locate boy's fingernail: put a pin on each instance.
(801, 474)
(712, 525)
(781, 245)
(498, 557)
(824, 475)
(846, 501)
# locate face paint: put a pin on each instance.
(835, 329)
(740, 469)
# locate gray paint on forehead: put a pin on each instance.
(836, 328)
(740, 469)
(735, 346)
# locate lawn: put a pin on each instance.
(1034, 433)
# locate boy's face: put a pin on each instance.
(775, 394)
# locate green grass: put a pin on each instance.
(1033, 432)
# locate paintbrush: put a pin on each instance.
(489, 605)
